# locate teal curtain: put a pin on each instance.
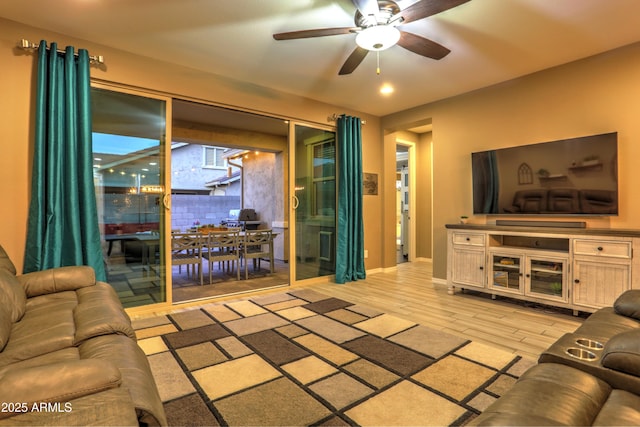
(350, 229)
(63, 218)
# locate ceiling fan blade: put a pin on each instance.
(422, 46)
(320, 32)
(353, 61)
(367, 7)
(425, 8)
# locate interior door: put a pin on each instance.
(129, 148)
(314, 201)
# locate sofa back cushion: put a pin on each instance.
(628, 304)
(622, 353)
(5, 261)
(16, 296)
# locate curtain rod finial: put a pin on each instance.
(26, 44)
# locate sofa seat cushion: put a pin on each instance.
(99, 312)
(108, 408)
(549, 394)
(621, 409)
(52, 302)
(39, 332)
(136, 373)
(65, 355)
(56, 382)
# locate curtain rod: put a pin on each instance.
(27, 45)
(334, 117)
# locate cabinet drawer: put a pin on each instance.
(473, 239)
(602, 248)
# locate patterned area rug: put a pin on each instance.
(303, 358)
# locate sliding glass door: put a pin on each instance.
(314, 202)
(129, 142)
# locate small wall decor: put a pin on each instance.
(370, 184)
(525, 175)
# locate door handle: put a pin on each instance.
(296, 202)
(166, 201)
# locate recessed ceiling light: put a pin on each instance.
(386, 89)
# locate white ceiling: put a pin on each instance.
(491, 41)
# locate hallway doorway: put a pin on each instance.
(403, 236)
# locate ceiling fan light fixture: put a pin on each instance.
(378, 37)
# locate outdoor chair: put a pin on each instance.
(224, 247)
(186, 249)
(257, 244)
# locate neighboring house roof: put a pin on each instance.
(224, 180)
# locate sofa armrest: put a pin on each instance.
(57, 280)
(56, 382)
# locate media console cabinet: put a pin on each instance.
(577, 268)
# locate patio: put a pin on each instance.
(139, 284)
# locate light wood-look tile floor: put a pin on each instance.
(408, 292)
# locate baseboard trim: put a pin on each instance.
(439, 281)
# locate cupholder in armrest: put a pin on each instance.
(581, 353)
(589, 343)
(622, 353)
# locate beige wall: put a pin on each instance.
(16, 110)
(592, 96)
(424, 186)
(595, 95)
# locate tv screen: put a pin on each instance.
(577, 176)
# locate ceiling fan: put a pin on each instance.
(377, 29)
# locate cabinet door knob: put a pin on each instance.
(600, 248)
(468, 239)
(527, 275)
(481, 267)
(576, 281)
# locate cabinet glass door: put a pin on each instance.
(546, 277)
(506, 272)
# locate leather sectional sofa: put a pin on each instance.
(588, 377)
(68, 353)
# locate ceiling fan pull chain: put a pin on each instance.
(378, 59)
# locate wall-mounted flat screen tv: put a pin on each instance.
(577, 176)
